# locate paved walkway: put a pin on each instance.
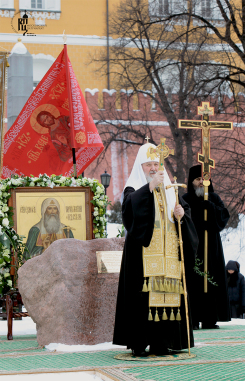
(220, 355)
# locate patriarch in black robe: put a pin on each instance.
(132, 327)
(212, 306)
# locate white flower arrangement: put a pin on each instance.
(9, 238)
(5, 222)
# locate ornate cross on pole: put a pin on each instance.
(163, 152)
(147, 139)
(205, 125)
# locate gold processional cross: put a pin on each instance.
(205, 125)
(204, 158)
(163, 152)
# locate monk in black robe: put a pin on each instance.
(132, 327)
(212, 306)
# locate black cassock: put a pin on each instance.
(132, 328)
(214, 305)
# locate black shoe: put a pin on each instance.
(139, 353)
(195, 327)
(210, 326)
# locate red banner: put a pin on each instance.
(41, 138)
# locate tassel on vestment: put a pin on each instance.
(172, 315)
(144, 289)
(164, 315)
(150, 315)
(156, 287)
(178, 317)
(156, 316)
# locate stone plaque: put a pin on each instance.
(109, 261)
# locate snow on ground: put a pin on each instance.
(113, 230)
(234, 244)
(82, 348)
(234, 249)
(26, 326)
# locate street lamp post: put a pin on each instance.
(105, 180)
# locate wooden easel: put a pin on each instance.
(9, 301)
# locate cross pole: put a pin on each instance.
(176, 185)
(204, 158)
(147, 139)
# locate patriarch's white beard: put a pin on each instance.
(148, 177)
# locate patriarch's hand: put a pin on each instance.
(157, 179)
(178, 211)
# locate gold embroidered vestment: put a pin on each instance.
(161, 259)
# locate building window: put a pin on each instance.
(37, 4)
(6, 4)
(166, 7)
(206, 9)
(40, 10)
(209, 9)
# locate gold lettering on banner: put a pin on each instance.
(42, 142)
(57, 90)
(17, 152)
(33, 155)
(66, 105)
(23, 140)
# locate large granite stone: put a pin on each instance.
(66, 297)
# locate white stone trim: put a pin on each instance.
(57, 39)
(145, 123)
(42, 15)
(6, 13)
(54, 39)
(132, 122)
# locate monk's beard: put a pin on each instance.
(199, 191)
(52, 223)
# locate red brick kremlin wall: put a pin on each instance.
(118, 159)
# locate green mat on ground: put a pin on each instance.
(195, 372)
(218, 354)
